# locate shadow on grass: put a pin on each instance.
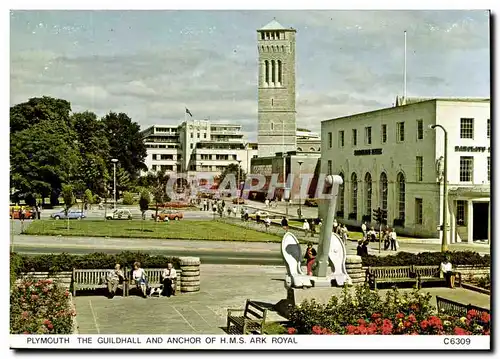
(139, 230)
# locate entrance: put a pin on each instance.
(480, 220)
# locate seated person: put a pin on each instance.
(114, 277)
(140, 279)
(447, 272)
(371, 235)
(168, 278)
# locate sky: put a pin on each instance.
(153, 64)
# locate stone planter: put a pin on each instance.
(72, 306)
(190, 275)
(355, 269)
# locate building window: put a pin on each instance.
(368, 135)
(154, 167)
(204, 135)
(420, 168)
(419, 208)
(400, 131)
(341, 138)
(154, 157)
(383, 191)
(420, 129)
(279, 72)
(341, 201)
(384, 133)
(466, 128)
(330, 140)
(488, 129)
(198, 135)
(461, 213)
(401, 196)
(368, 194)
(354, 193)
(329, 169)
(191, 135)
(488, 169)
(466, 167)
(354, 137)
(191, 145)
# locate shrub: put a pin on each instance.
(364, 312)
(66, 262)
(40, 307)
(428, 258)
(128, 198)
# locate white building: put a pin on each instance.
(197, 146)
(390, 158)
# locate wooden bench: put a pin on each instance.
(93, 279)
(392, 274)
(153, 276)
(432, 274)
(457, 309)
(250, 319)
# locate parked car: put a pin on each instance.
(261, 214)
(238, 200)
(72, 214)
(119, 214)
(170, 214)
(311, 202)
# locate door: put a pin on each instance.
(480, 220)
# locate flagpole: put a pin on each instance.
(404, 76)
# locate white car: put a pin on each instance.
(261, 214)
(119, 214)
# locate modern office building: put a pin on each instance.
(197, 146)
(391, 158)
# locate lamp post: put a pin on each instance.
(114, 160)
(444, 242)
(300, 188)
(238, 188)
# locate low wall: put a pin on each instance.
(62, 278)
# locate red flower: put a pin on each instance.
(25, 332)
(316, 329)
(407, 324)
(460, 331)
(351, 329)
(292, 330)
(485, 317)
(412, 318)
(486, 332)
(424, 324)
(50, 326)
(472, 313)
(361, 322)
(414, 333)
(376, 315)
(46, 322)
(400, 316)
(25, 315)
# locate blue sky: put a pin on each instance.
(150, 64)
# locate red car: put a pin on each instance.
(171, 215)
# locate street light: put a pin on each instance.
(444, 241)
(114, 160)
(300, 188)
(238, 188)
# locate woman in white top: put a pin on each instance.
(447, 270)
(140, 278)
(306, 227)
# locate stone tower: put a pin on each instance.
(276, 128)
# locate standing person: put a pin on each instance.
(313, 227)
(235, 211)
(310, 257)
(363, 229)
(114, 277)
(305, 227)
(267, 203)
(335, 225)
(23, 213)
(371, 235)
(345, 234)
(393, 238)
(168, 278)
(364, 248)
(387, 240)
(140, 278)
(284, 224)
(359, 248)
(228, 211)
(267, 222)
(447, 272)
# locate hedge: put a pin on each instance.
(468, 258)
(66, 262)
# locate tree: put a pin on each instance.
(123, 181)
(158, 184)
(144, 204)
(69, 199)
(89, 197)
(126, 143)
(128, 198)
(231, 169)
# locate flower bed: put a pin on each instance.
(365, 312)
(40, 307)
(461, 258)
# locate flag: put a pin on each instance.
(189, 112)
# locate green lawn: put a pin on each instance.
(201, 230)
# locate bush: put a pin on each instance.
(128, 198)
(66, 262)
(40, 307)
(365, 312)
(428, 258)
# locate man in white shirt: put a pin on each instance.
(267, 222)
(267, 202)
(447, 271)
(393, 239)
(371, 235)
(114, 277)
(169, 276)
(363, 229)
(306, 227)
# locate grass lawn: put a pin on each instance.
(200, 230)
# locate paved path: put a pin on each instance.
(205, 312)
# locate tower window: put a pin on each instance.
(262, 36)
(279, 71)
(272, 102)
(272, 126)
(267, 71)
(273, 71)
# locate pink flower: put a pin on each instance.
(292, 330)
(460, 331)
(412, 318)
(400, 316)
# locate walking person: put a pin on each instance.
(345, 234)
(267, 222)
(363, 229)
(235, 211)
(267, 203)
(393, 238)
(306, 227)
(335, 225)
(168, 278)
(312, 226)
(364, 248)
(387, 240)
(310, 257)
(114, 277)
(447, 272)
(284, 224)
(23, 214)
